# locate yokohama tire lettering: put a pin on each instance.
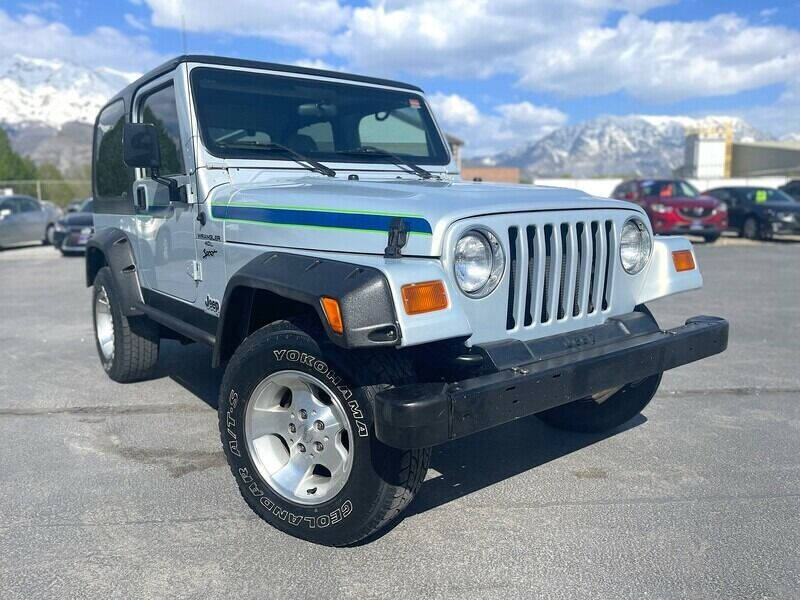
(322, 368)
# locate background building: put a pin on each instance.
(711, 153)
(496, 174)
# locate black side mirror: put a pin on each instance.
(140, 146)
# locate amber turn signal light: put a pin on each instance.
(683, 260)
(424, 297)
(333, 314)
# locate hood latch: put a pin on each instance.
(398, 238)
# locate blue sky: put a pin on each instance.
(498, 72)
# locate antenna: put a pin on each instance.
(183, 29)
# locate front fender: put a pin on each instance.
(363, 294)
(662, 279)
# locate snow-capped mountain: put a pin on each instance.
(631, 145)
(47, 107)
(54, 92)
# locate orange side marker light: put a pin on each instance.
(423, 297)
(333, 314)
(683, 260)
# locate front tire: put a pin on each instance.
(604, 412)
(49, 235)
(334, 484)
(127, 346)
(751, 229)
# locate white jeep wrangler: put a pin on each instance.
(311, 228)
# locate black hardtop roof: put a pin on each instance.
(130, 90)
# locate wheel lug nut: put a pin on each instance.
(318, 446)
(301, 447)
(292, 428)
(319, 425)
(303, 413)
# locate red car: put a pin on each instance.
(676, 207)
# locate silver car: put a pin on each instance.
(24, 220)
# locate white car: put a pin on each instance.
(312, 229)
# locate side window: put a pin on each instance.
(11, 204)
(112, 178)
(403, 126)
(28, 205)
(321, 134)
(160, 109)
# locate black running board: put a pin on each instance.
(177, 325)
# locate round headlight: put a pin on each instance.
(479, 263)
(635, 246)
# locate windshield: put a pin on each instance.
(762, 195)
(669, 189)
(86, 205)
(241, 114)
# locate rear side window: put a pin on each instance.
(112, 178)
(160, 109)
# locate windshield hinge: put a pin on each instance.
(398, 237)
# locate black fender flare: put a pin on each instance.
(363, 293)
(111, 247)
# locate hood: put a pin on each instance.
(78, 219)
(787, 207)
(317, 213)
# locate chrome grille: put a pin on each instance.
(695, 212)
(560, 271)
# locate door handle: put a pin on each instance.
(141, 198)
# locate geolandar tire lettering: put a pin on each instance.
(343, 503)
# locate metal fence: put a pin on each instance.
(58, 191)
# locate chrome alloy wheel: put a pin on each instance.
(298, 437)
(104, 324)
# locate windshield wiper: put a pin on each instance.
(398, 160)
(312, 165)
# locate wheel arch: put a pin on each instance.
(111, 248)
(279, 285)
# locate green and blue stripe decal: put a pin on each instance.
(317, 218)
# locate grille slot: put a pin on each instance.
(559, 271)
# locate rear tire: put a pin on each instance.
(127, 346)
(337, 506)
(710, 239)
(49, 235)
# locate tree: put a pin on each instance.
(12, 165)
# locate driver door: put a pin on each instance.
(166, 230)
(10, 222)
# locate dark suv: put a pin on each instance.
(676, 207)
(792, 188)
(758, 213)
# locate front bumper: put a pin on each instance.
(72, 240)
(531, 377)
(700, 229)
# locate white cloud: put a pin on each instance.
(31, 35)
(308, 24)
(665, 61)
(316, 63)
(506, 126)
(565, 47)
(135, 22)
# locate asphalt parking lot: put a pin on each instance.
(110, 490)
